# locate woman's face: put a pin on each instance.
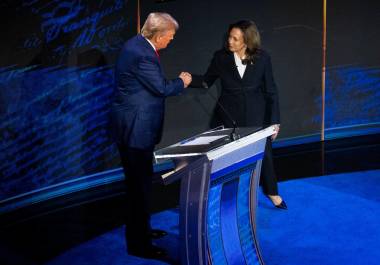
(236, 41)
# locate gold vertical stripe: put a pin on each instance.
(323, 88)
(138, 17)
(323, 70)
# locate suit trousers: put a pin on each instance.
(138, 171)
(268, 179)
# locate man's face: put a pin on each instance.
(164, 39)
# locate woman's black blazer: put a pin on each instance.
(251, 100)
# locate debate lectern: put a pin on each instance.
(219, 181)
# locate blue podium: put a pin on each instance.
(219, 181)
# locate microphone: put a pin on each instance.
(233, 135)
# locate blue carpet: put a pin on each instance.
(331, 220)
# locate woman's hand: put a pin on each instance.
(277, 129)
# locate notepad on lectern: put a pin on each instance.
(203, 140)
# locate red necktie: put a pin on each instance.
(158, 56)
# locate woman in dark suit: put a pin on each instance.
(248, 93)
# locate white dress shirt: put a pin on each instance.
(154, 48)
(240, 66)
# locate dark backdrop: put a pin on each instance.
(56, 75)
(291, 32)
(353, 67)
(56, 81)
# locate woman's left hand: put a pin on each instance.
(277, 129)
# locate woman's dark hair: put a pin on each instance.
(251, 37)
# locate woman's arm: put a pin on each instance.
(208, 79)
(271, 93)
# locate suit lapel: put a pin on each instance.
(148, 48)
(232, 65)
(248, 69)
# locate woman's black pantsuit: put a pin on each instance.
(251, 100)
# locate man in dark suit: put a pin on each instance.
(137, 121)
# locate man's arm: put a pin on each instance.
(149, 73)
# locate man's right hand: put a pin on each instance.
(186, 78)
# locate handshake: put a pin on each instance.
(186, 78)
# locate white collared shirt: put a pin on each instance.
(240, 66)
(154, 48)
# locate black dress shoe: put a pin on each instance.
(157, 233)
(151, 252)
(282, 205)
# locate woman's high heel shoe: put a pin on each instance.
(282, 205)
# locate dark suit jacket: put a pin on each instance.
(139, 99)
(251, 100)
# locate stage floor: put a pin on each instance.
(332, 191)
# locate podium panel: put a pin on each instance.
(231, 221)
(218, 200)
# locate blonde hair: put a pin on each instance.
(158, 23)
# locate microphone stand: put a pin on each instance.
(233, 135)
